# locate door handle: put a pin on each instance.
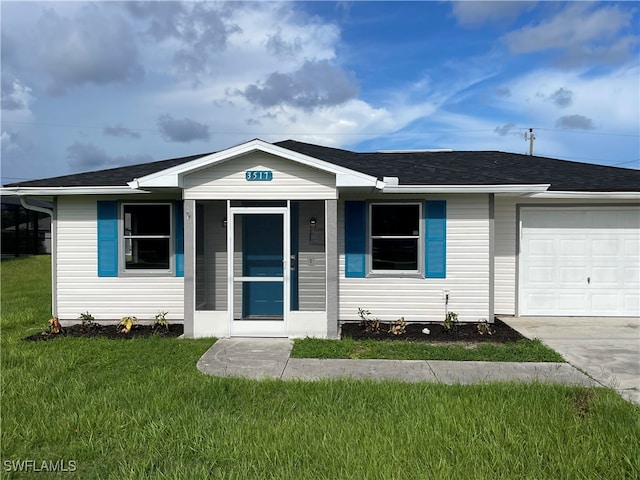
(589, 280)
(293, 262)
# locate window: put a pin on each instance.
(146, 235)
(395, 237)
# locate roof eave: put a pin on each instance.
(589, 195)
(514, 189)
(60, 191)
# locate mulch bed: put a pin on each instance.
(109, 331)
(463, 333)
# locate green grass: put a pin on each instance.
(138, 409)
(521, 351)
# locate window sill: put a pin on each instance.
(147, 273)
(395, 275)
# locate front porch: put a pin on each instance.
(261, 268)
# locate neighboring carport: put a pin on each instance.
(606, 348)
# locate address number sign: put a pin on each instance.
(258, 175)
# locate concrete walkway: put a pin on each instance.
(260, 358)
(607, 349)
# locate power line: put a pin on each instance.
(588, 132)
(637, 160)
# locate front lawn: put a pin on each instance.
(139, 409)
(520, 351)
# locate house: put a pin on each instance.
(290, 239)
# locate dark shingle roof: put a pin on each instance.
(113, 177)
(412, 168)
(477, 168)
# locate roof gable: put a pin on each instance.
(172, 177)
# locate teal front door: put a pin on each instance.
(262, 257)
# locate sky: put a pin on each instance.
(89, 86)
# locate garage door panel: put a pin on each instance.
(572, 247)
(604, 304)
(631, 275)
(542, 276)
(569, 302)
(608, 248)
(579, 261)
(605, 276)
(631, 249)
(572, 276)
(540, 247)
(631, 302)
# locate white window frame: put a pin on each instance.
(122, 239)
(419, 237)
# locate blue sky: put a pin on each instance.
(87, 86)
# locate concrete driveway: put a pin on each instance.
(607, 349)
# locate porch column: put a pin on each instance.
(331, 232)
(189, 266)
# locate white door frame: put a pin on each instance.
(259, 328)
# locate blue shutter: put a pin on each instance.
(107, 239)
(435, 249)
(355, 241)
(179, 236)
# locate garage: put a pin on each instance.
(579, 261)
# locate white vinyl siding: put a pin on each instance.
(79, 289)
(290, 181)
(312, 261)
(505, 255)
(421, 299)
(211, 260)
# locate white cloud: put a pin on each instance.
(475, 13)
(84, 156)
(579, 122)
(120, 131)
(563, 97)
(182, 130)
(611, 100)
(582, 32)
(316, 84)
(94, 46)
(15, 95)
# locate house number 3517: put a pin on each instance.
(258, 175)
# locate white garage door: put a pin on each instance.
(579, 261)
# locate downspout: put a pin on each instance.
(51, 213)
(47, 211)
(492, 257)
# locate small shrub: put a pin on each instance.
(87, 320)
(398, 327)
(367, 323)
(484, 328)
(126, 324)
(451, 322)
(161, 322)
(55, 326)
